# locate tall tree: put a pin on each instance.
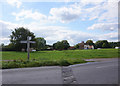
(18, 35)
(98, 44)
(77, 46)
(102, 44)
(89, 42)
(61, 45)
(41, 43)
(65, 44)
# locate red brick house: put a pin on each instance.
(83, 45)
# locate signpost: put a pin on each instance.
(28, 45)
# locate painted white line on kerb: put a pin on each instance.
(104, 66)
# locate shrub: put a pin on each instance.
(64, 63)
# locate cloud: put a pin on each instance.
(16, 3)
(104, 26)
(101, 10)
(56, 14)
(65, 14)
(4, 40)
(109, 36)
(25, 14)
(6, 28)
(111, 11)
(57, 33)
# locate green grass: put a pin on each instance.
(65, 54)
(65, 57)
(22, 64)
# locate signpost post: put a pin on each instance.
(28, 45)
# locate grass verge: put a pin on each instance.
(12, 59)
(22, 64)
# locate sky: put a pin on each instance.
(58, 20)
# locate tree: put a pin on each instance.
(98, 44)
(2, 45)
(18, 35)
(89, 42)
(118, 44)
(65, 44)
(114, 44)
(40, 43)
(102, 44)
(61, 45)
(105, 44)
(58, 46)
(77, 46)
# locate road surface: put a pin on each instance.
(39, 75)
(105, 72)
(98, 73)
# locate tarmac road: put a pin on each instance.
(105, 72)
(38, 75)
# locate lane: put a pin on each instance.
(40, 75)
(105, 72)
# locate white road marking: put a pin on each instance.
(104, 66)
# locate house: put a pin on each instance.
(71, 48)
(83, 45)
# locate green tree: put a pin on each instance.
(77, 46)
(61, 45)
(118, 44)
(58, 46)
(105, 44)
(65, 44)
(98, 44)
(40, 43)
(114, 44)
(102, 44)
(89, 42)
(18, 35)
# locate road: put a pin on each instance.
(97, 73)
(105, 72)
(39, 75)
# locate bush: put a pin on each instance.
(64, 63)
(7, 49)
(79, 61)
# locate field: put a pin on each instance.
(64, 57)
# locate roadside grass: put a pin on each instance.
(53, 58)
(22, 64)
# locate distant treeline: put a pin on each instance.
(22, 33)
